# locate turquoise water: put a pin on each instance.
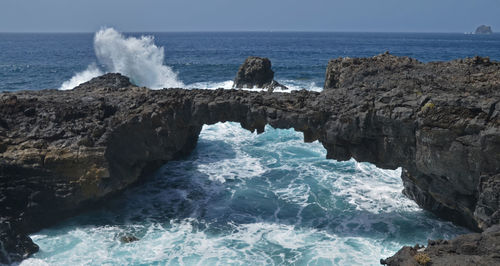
(240, 198)
(248, 199)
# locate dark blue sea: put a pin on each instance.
(41, 61)
(240, 198)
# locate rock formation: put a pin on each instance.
(439, 121)
(256, 72)
(61, 151)
(470, 249)
(483, 29)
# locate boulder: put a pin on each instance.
(109, 80)
(128, 239)
(256, 72)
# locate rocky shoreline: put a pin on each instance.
(62, 151)
(470, 249)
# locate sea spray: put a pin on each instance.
(228, 84)
(142, 61)
(138, 58)
(92, 71)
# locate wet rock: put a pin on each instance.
(14, 245)
(469, 249)
(109, 80)
(128, 239)
(256, 72)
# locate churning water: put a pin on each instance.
(248, 199)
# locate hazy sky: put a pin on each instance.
(231, 15)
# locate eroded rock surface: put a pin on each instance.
(256, 72)
(439, 121)
(470, 249)
(63, 150)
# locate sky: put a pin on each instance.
(250, 15)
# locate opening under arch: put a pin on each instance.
(247, 198)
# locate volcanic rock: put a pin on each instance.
(448, 138)
(61, 151)
(14, 244)
(128, 239)
(256, 72)
(470, 249)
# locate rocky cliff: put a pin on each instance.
(439, 121)
(61, 151)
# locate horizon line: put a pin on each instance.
(235, 31)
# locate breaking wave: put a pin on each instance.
(92, 71)
(138, 58)
(292, 85)
(143, 62)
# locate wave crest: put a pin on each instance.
(138, 58)
(92, 71)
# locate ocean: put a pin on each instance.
(239, 198)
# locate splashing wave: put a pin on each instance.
(138, 58)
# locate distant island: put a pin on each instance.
(483, 29)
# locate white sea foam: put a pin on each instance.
(228, 84)
(239, 164)
(373, 190)
(34, 262)
(267, 215)
(297, 193)
(138, 58)
(301, 85)
(292, 85)
(143, 62)
(183, 244)
(92, 71)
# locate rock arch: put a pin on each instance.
(63, 150)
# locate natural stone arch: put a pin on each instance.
(63, 150)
